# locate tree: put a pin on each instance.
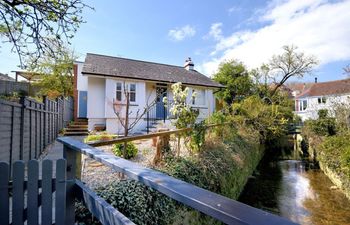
(290, 64)
(31, 24)
(347, 70)
(122, 111)
(56, 73)
(235, 77)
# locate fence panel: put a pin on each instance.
(27, 127)
(27, 202)
(10, 87)
(4, 194)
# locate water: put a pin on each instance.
(289, 189)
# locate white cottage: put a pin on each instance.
(324, 95)
(105, 77)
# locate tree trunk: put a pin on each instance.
(126, 128)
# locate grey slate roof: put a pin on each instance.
(6, 77)
(101, 65)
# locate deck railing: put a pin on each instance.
(219, 207)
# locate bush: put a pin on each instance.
(335, 151)
(99, 137)
(139, 203)
(324, 125)
(131, 150)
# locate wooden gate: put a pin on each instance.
(33, 196)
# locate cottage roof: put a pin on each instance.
(101, 65)
(6, 77)
(337, 87)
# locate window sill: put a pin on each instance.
(131, 104)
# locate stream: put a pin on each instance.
(290, 189)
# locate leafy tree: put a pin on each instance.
(347, 70)
(56, 73)
(290, 64)
(270, 120)
(31, 24)
(236, 79)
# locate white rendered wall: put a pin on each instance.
(82, 81)
(313, 106)
(96, 101)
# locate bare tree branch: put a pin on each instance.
(290, 64)
(29, 25)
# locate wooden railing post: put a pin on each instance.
(73, 172)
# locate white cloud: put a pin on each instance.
(316, 27)
(233, 9)
(215, 31)
(179, 34)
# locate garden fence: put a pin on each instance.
(27, 127)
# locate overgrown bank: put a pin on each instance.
(328, 142)
(226, 160)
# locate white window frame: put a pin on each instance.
(119, 91)
(194, 99)
(301, 104)
(132, 92)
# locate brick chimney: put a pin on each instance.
(189, 64)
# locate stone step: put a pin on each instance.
(80, 133)
(80, 123)
(77, 129)
(77, 126)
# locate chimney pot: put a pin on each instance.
(189, 64)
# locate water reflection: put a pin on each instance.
(289, 189)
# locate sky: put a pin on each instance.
(211, 32)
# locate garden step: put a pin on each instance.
(77, 129)
(80, 133)
(80, 123)
(77, 126)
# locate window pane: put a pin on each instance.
(119, 86)
(304, 104)
(119, 95)
(132, 87)
(132, 96)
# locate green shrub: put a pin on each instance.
(139, 203)
(99, 137)
(324, 125)
(335, 151)
(131, 150)
(83, 215)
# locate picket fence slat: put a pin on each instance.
(60, 198)
(33, 192)
(46, 196)
(4, 194)
(18, 193)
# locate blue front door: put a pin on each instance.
(82, 104)
(161, 111)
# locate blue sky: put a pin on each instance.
(213, 31)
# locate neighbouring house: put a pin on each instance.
(323, 95)
(6, 77)
(100, 90)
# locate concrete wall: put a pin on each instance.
(313, 106)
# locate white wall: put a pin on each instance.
(313, 106)
(96, 101)
(82, 81)
(102, 92)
